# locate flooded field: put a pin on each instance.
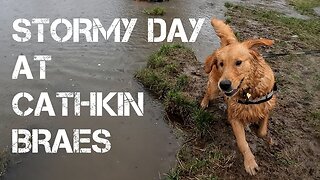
(142, 147)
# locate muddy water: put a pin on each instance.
(142, 147)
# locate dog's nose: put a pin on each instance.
(225, 85)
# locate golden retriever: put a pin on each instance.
(238, 71)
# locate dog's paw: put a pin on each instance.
(251, 166)
(204, 103)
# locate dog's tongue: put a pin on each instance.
(231, 93)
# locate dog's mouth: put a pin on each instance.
(233, 91)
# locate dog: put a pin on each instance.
(239, 71)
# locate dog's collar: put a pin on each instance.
(262, 99)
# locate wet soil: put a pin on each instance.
(296, 153)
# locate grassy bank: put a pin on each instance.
(168, 75)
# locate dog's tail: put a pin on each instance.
(224, 32)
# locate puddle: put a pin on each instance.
(142, 147)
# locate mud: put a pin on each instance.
(295, 130)
(296, 152)
(294, 124)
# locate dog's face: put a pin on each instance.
(233, 59)
(234, 64)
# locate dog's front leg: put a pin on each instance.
(263, 130)
(211, 93)
(249, 161)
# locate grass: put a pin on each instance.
(228, 20)
(308, 31)
(157, 76)
(316, 115)
(228, 5)
(173, 175)
(305, 6)
(155, 11)
(4, 161)
(200, 165)
(163, 76)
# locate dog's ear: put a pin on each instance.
(224, 32)
(253, 43)
(210, 61)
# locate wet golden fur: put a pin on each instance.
(257, 79)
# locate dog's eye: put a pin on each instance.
(238, 63)
(221, 64)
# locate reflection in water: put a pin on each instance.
(142, 147)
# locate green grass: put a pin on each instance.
(165, 49)
(195, 164)
(156, 61)
(202, 119)
(178, 103)
(315, 115)
(305, 6)
(228, 5)
(228, 19)
(157, 76)
(173, 174)
(164, 76)
(182, 81)
(155, 11)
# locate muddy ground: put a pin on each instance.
(209, 150)
(295, 122)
